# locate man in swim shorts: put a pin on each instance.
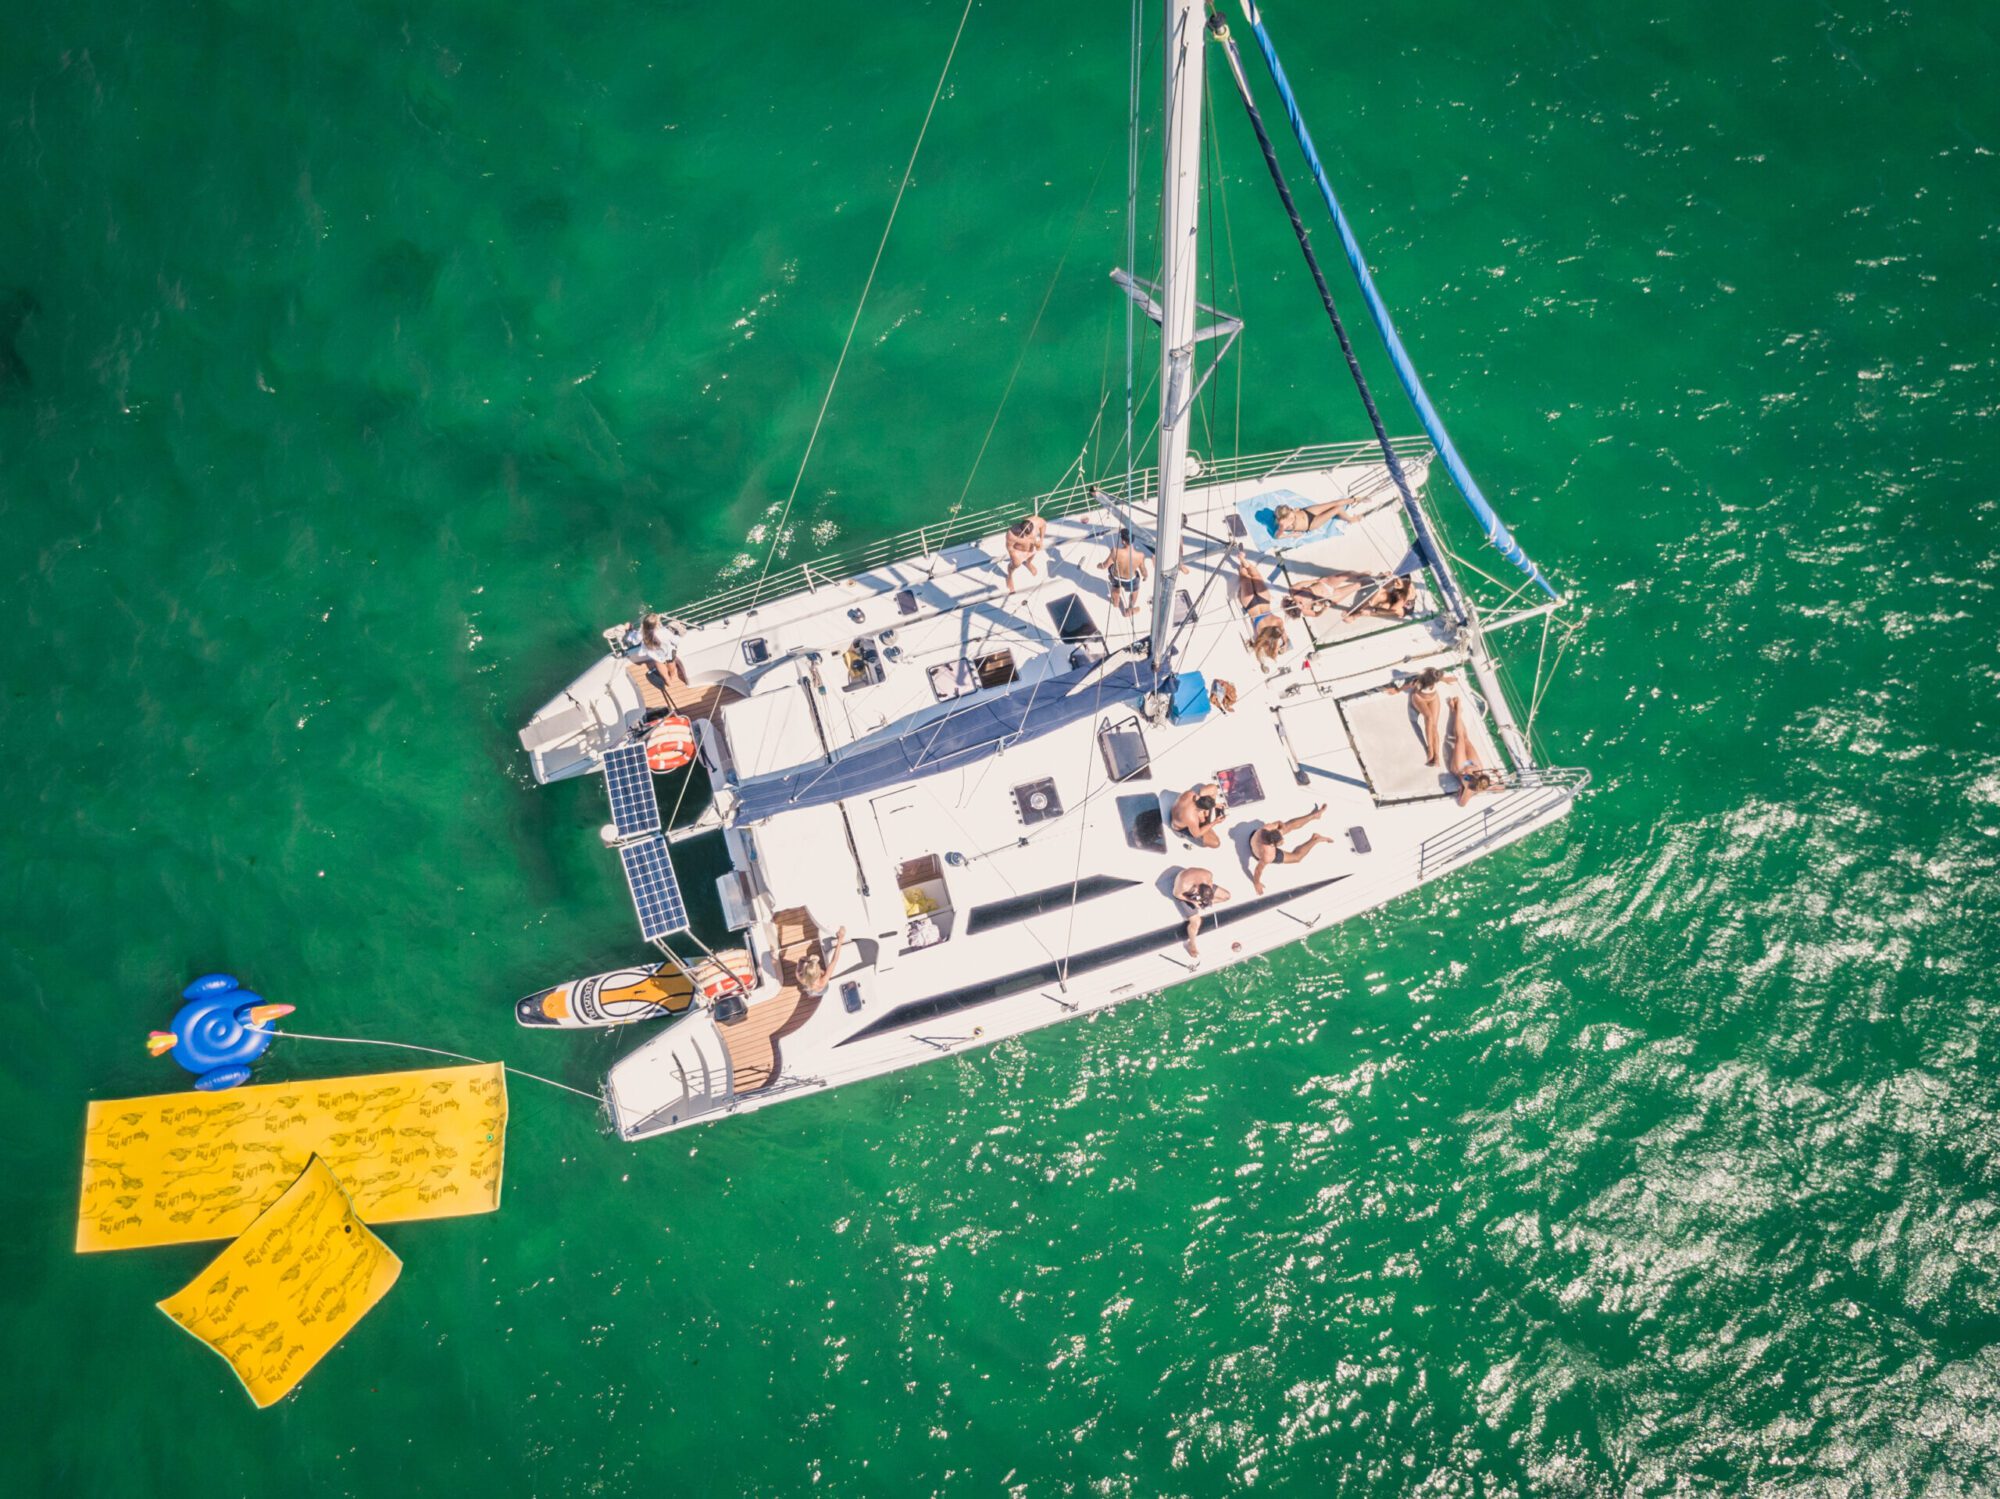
(1267, 845)
(1127, 566)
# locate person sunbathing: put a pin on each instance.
(1293, 521)
(1025, 538)
(1267, 845)
(1196, 813)
(1473, 777)
(1267, 630)
(1197, 892)
(1394, 599)
(1335, 590)
(1422, 690)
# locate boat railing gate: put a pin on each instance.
(928, 540)
(1531, 795)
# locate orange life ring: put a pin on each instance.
(670, 745)
(730, 971)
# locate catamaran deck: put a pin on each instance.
(1029, 885)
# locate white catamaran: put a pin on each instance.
(962, 798)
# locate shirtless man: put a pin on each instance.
(1293, 521)
(813, 973)
(1472, 776)
(1127, 567)
(1196, 891)
(1267, 845)
(1025, 537)
(1197, 812)
(1423, 694)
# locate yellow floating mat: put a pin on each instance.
(276, 1301)
(185, 1166)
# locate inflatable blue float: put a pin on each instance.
(219, 1032)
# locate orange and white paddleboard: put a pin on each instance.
(625, 996)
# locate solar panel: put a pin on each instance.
(629, 783)
(655, 891)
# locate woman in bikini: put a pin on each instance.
(1473, 777)
(1268, 639)
(1292, 521)
(1423, 694)
(1394, 600)
(1336, 590)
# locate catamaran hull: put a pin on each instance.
(682, 1078)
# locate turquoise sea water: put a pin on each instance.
(358, 363)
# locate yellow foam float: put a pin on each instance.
(180, 1167)
(276, 1301)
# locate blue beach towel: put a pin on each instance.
(1260, 522)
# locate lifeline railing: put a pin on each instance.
(927, 541)
(1531, 795)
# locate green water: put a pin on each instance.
(358, 363)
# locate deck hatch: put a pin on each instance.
(1038, 802)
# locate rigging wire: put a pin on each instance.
(1131, 232)
(437, 1051)
(778, 531)
(1027, 343)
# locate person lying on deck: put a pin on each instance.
(1393, 600)
(1197, 812)
(1222, 696)
(1292, 521)
(1472, 776)
(813, 974)
(1267, 845)
(1127, 567)
(1025, 537)
(1267, 631)
(1339, 589)
(1423, 694)
(1368, 595)
(1196, 892)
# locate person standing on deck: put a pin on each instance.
(1025, 537)
(1127, 567)
(813, 973)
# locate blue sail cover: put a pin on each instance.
(967, 734)
(1496, 530)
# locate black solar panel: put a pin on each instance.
(629, 783)
(655, 891)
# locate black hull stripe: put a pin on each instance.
(954, 1000)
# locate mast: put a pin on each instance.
(1180, 204)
